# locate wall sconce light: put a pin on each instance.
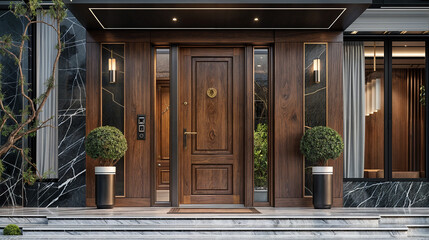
(112, 68)
(377, 88)
(316, 69)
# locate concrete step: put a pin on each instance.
(269, 221)
(253, 237)
(418, 230)
(226, 231)
(24, 219)
(404, 219)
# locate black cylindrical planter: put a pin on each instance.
(322, 187)
(105, 187)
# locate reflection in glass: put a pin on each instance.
(113, 110)
(315, 96)
(162, 124)
(260, 154)
(408, 111)
(374, 110)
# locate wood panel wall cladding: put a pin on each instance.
(287, 114)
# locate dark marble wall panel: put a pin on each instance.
(386, 194)
(10, 183)
(69, 190)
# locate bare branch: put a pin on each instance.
(7, 112)
(24, 156)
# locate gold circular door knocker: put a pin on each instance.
(211, 92)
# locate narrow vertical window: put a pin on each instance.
(113, 98)
(47, 138)
(408, 110)
(373, 164)
(162, 119)
(261, 126)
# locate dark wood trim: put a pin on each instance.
(211, 36)
(271, 127)
(93, 105)
(153, 127)
(308, 36)
(174, 118)
(248, 129)
(288, 124)
(106, 36)
(335, 107)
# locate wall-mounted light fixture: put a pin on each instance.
(316, 69)
(112, 68)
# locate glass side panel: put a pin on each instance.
(162, 124)
(261, 103)
(408, 110)
(374, 111)
(113, 110)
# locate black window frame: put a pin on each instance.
(387, 40)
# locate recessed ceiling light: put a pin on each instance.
(256, 19)
(259, 65)
(174, 19)
(354, 32)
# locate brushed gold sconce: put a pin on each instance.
(316, 69)
(112, 68)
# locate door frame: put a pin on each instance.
(174, 119)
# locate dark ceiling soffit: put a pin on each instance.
(112, 16)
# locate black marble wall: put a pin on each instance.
(10, 183)
(69, 189)
(386, 194)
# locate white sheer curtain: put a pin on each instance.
(47, 138)
(354, 109)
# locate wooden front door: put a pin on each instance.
(211, 117)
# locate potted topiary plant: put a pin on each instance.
(318, 145)
(106, 144)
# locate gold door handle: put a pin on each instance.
(185, 133)
(190, 133)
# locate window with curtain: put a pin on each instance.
(47, 138)
(365, 112)
(408, 109)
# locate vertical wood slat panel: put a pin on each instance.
(335, 107)
(288, 120)
(92, 107)
(137, 100)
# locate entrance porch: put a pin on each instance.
(302, 223)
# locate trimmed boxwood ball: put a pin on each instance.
(11, 229)
(320, 144)
(107, 144)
